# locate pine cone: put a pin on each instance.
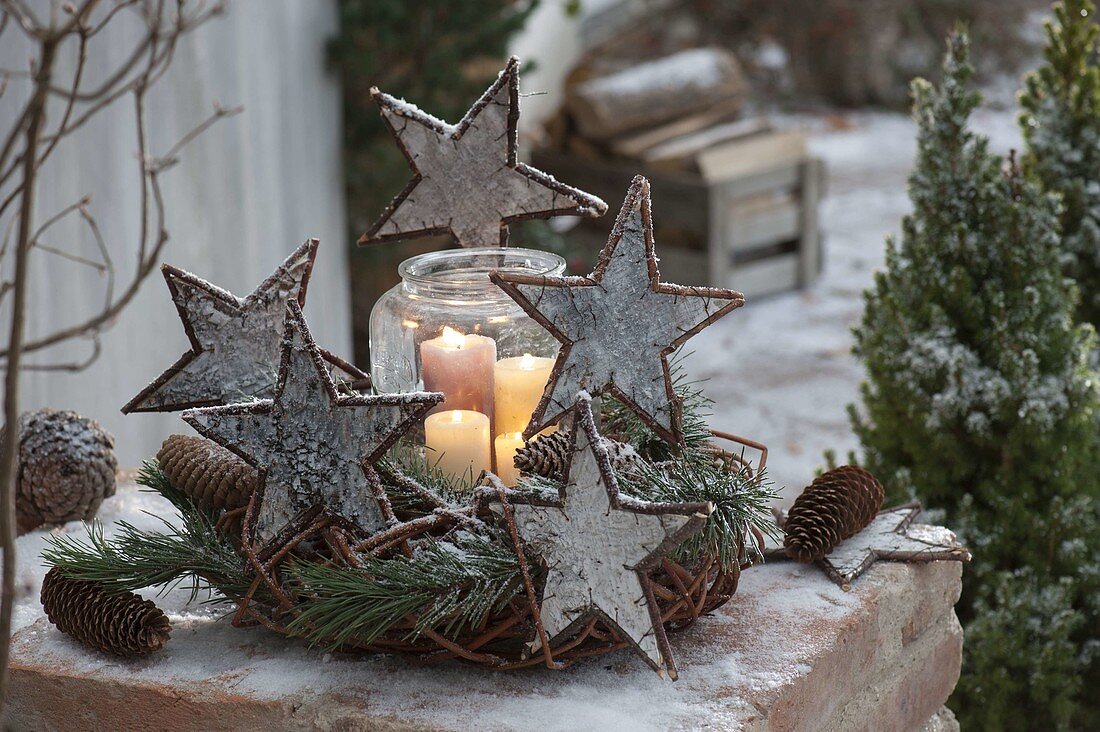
(547, 455)
(66, 468)
(123, 624)
(212, 476)
(837, 505)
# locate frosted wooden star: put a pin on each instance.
(890, 536)
(314, 446)
(598, 546)
(619, 324)
(235, 342)
(466, 179)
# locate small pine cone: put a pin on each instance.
(123, 624)
(547, 455)
(214, 477)
(837, 505)
(66, 468)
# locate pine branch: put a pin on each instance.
(405, 463)
(136, 558)
(740, 503)
(450, 584)
(622, 423)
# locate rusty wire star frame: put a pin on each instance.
(465, 182)
(615, 321)
(599, 547)
(235, 342)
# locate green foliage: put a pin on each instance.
(693, 475)
(452, 585)
(623, 423)
(1022, 654)
(738, 499)
(1061, 126)
(980, 400)
(135, 558)
(451, 582)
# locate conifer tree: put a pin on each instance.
(1061, 126)
(979, 400)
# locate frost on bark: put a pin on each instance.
(235, 342)
(598, 545)
(314, 446)
(619, 324)
(467, 180)
(891, 536)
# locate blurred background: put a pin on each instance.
(775, 134)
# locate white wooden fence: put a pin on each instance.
(246, 193)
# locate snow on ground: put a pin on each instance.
(780, 369)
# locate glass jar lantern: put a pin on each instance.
(446, 327)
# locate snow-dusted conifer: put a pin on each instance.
(1061, 126)
(980, 400)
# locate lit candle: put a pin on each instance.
(506, 446)
(518, 386)
(461, 367)
(458, 442)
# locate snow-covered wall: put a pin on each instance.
(245, 195)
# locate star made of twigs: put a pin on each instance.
(235, 343)
(313, 446)
(598, 546)
(467, 180)
(892, 536)
(619, 324)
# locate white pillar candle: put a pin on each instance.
(458, 442)
(461, 367)
(518, 384)
(505, 447)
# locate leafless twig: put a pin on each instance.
(27, 146)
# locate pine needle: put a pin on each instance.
(451, 585)
(135, 558)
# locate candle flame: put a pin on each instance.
(456, 416)
(453, 338)
(527, 363)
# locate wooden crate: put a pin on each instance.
(744, 215)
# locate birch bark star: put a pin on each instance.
(619, 324)
(467, 180)
(598, 546)
(235, 342)
(314, 446)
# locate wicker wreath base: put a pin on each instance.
(501, 641)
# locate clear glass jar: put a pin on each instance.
(448, 328)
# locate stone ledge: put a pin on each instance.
(790, 652)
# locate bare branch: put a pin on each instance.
(120, 5)
(155, 202)
(58, 216)
(71, 366)
(171, 157)
(78, 74)
(104, 252)
(23, 16)
(158, 46)
(97, 266)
